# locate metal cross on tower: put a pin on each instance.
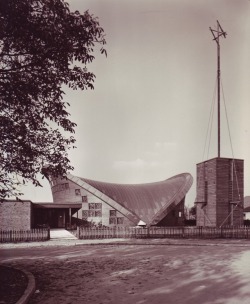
(216, 34)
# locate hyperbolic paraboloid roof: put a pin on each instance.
(149, 202)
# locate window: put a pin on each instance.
(85, 214)
(95, 210)
(112, 220)
(179, 213)
(77, 192)
(91, 213)
(98, 205)
(91, 206)
(98, 213)
(112, 213)
(120, 220)
(95, 206)
(84, 199)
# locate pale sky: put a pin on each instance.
(148, 116)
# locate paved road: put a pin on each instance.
(159, 273)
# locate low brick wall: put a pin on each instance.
(15, 215)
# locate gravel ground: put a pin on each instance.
(12, 285)
(155, 272)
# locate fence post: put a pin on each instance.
(48, 233)
(114, 232)
(148, 232)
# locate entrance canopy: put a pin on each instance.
(57, 206)
(54, 215)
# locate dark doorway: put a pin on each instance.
(54, 215)
(53, 218)
(61, 219)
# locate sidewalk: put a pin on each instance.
(72, 241)
(61, 234)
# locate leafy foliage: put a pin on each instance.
(43, 46)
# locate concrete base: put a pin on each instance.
(61, 234)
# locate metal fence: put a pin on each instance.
(164, 232)
(14, 236)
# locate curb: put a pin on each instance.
(30, 289)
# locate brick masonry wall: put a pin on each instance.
(206, 194)
(15, 215)
(230, 187)
(217, 188)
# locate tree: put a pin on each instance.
(43, 46)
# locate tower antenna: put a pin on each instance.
(216, 34)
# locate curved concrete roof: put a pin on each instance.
(147, 202)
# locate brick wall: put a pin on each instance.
(230, 192)
(206, 194)
(15, 215)
(219, 186)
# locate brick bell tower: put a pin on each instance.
(220, 192)
(220, 181)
